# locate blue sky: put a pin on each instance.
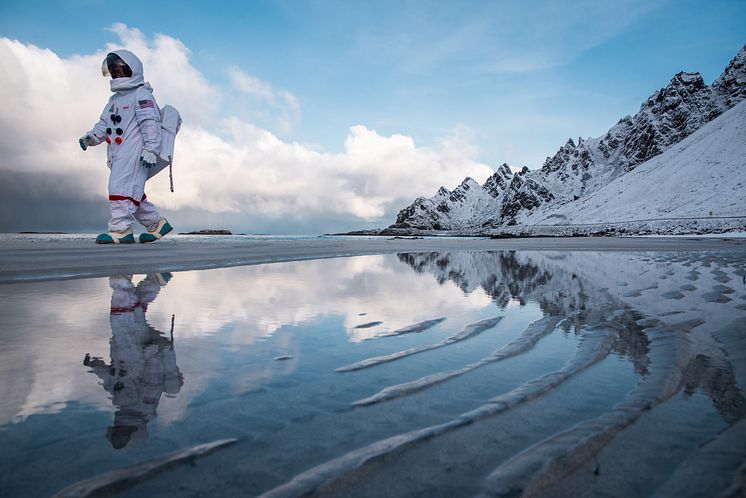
(422, 68)
(512, 80)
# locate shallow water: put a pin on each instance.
(432, 374)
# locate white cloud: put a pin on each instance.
(251, 85)
(223, 164)
(280, 100)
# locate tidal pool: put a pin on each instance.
(418, 374)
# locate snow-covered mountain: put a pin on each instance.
(579, 177)
(702, 176)
(468, 205)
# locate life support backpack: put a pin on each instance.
(170, 125)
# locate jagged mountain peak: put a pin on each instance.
(683, 89)
(687, 79)
(496, 184)
(469, 203)
(580, 168)
(731, 85)
(468, 183)
(735, 67)
(503, 171)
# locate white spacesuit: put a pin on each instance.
(131, 126)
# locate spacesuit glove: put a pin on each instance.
(147, 158)
(88, 139)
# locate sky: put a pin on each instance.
(322, 116)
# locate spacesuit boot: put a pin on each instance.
(162, 228)
(126, 237)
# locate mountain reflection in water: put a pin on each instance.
(584, 286)
(441, 374)
(696, 345)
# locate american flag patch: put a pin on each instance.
(145, 104)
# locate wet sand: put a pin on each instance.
(27, 259)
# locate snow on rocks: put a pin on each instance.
(596, 181)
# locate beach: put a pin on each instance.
(44, 257)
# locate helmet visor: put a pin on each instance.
(115, 67)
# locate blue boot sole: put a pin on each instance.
(105, 238)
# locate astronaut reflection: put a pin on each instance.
(143, 361)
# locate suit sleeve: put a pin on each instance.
(99, 129)
(149, 118)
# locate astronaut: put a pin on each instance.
(143, 361)
(131, 127)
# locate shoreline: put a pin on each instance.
(30, 260)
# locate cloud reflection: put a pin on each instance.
(257, 301)
(62, 321)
